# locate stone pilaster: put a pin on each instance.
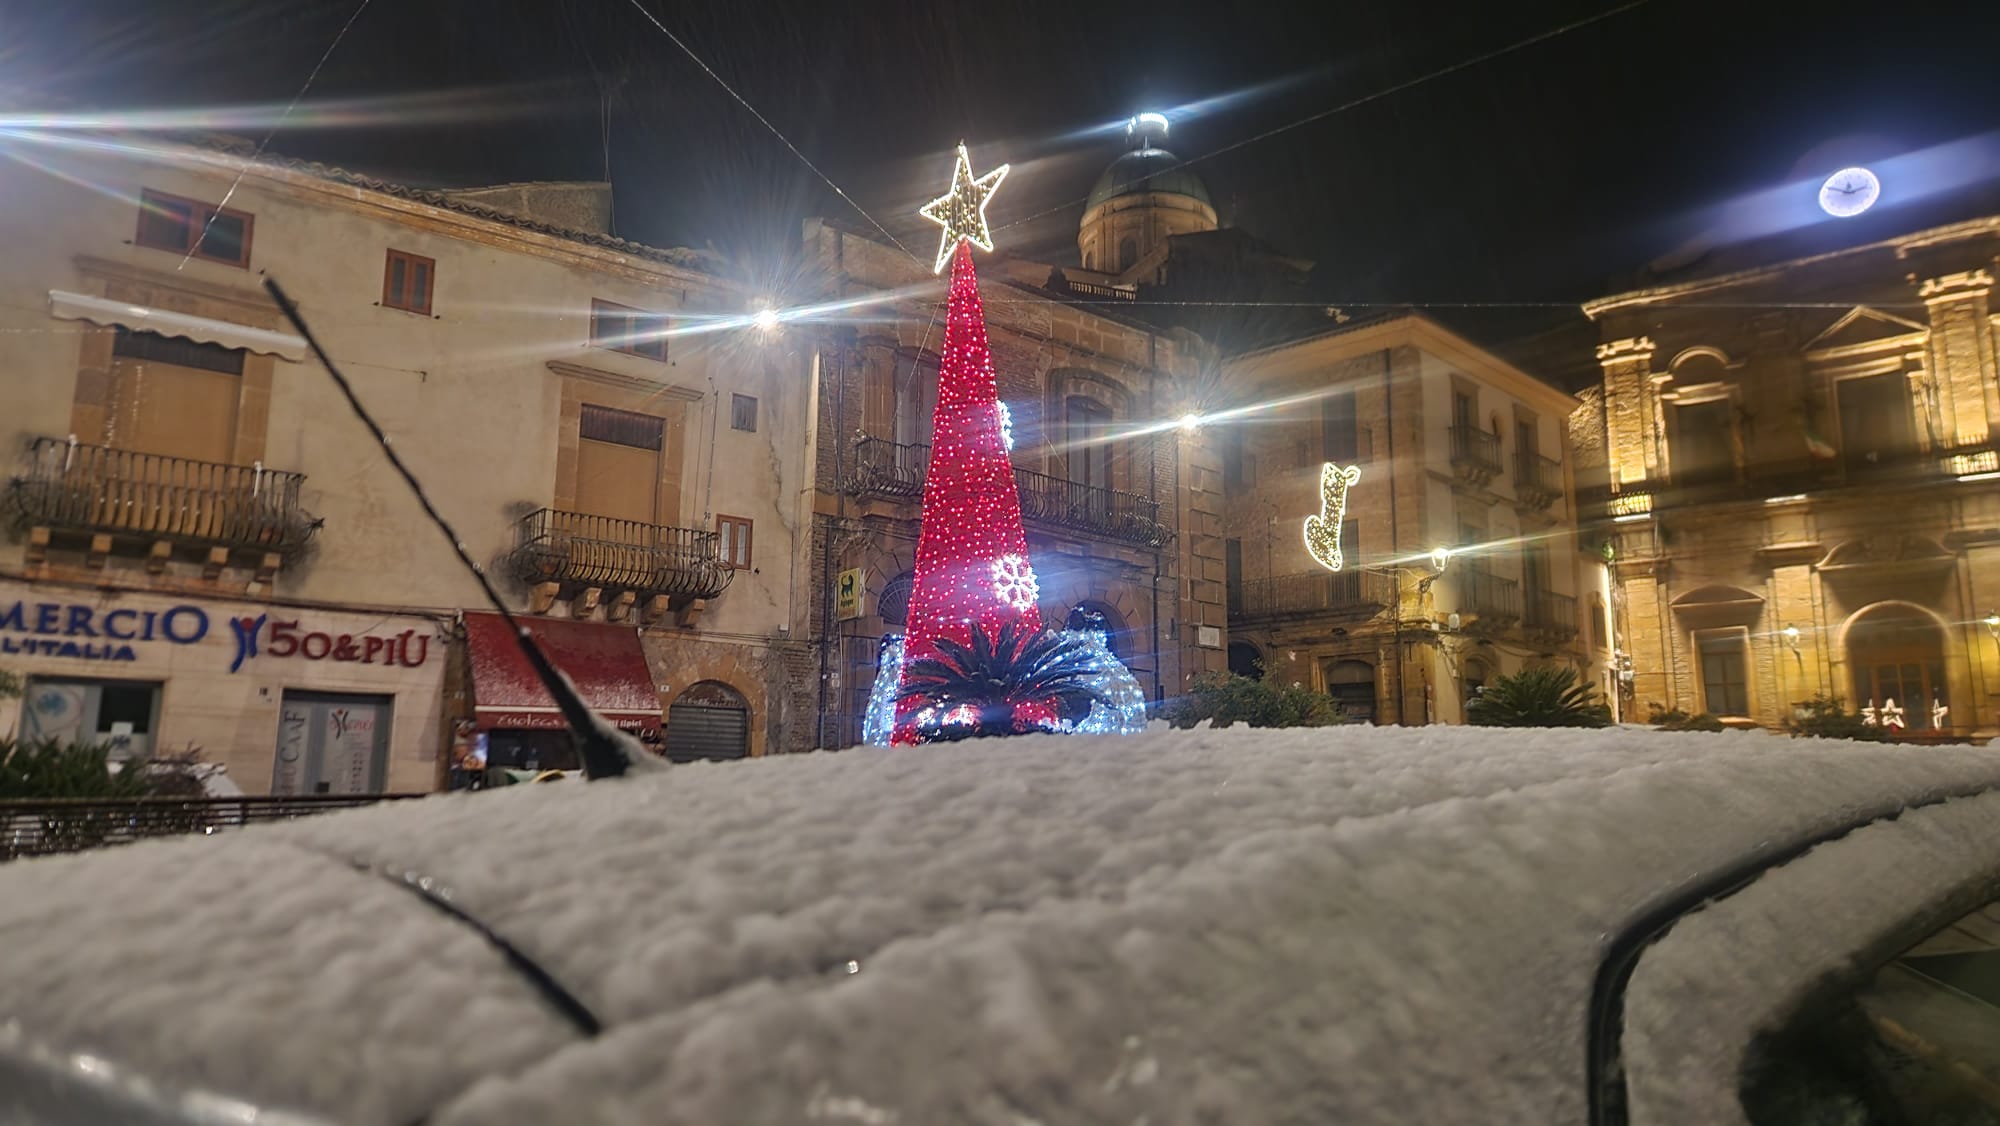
(1647, 620)
(1631, 410)
(1961, 353)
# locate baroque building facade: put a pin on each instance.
(1796, 476)
(207, 552)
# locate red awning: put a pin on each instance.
(605, 661)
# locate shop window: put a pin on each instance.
(742, 412)
(330, 744)
(735, 535)
(406, 282)
(621, 328)
(1352, 686)
(120, 714)
(190, 227)
(1725, 660)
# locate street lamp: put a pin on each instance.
(1992, 621)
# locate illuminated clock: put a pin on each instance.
(1849, 192)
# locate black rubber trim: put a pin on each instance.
(1604, 1073)
(560, 999)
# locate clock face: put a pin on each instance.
(1849, 192)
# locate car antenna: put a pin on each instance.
(607, 751)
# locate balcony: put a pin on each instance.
(1475, 453)
(1538, 480)
(1494, 600)
(573, 549)
(1549, 615)
(1342, 593)
(896, 470)
(110, 494)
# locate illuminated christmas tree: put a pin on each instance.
(977, 660)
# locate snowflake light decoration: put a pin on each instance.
(1006, 427)
(1014, 581)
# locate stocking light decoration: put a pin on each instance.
(974, 618)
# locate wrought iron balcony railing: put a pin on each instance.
(578, 549)
(1357, 593)
(1538, 480)
(69, 486)
(896, 469)
(1549, 614)
(1495, 600)
(1475, 453)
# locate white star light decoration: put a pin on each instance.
(1891, 715)
(1014, 582)
(962, 210)
(1938, 713)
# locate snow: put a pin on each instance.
(1746, 962)
(1335, 924)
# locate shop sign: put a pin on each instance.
(63, 629)
(262, 637)
(847, 595)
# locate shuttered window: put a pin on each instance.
(623, 428)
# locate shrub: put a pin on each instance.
(1227, 699)
(1678, 720)
(1827, 717)
(1538, 697)
(51, 768)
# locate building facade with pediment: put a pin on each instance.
(1797, 473)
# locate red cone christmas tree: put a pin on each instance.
(972, 556)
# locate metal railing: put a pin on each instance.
(1538, 480)
(44, 827)
(896, 469)
(1494, 599)
(1549, 613)
(1475, 449)
(1310, 592)
(70, 486)
(1093, 289)
(598, 551)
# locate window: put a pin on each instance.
(1239, 465)
(1917, 1041)
(406, 282)
(1527, 442)
(174, 398)
(1461, 410)
(1703, 443)
(742, 412)
(618, 468)
(1232, 574)
(1600, 624)
(1352, 686)
(1089, 442)
(632, 331)
(186, 226)
(735, 540)
(1339, 431)
(119, 713)
(1128, 253)
(1724, 685)
(1874, 420)
(330, 744)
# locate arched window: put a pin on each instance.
(1128, 253)
(1245, 660)
(1117, 634)
(893, 604)
(709, 720)
(1352, 685)
(1897, 653)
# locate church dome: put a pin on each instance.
(1147, 170)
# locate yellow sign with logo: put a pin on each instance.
(847, 595)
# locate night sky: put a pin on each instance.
(1546, 174)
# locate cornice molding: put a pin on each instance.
(625, 382)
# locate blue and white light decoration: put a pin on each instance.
(880, 721)
(1126, 714)
(1006, 427)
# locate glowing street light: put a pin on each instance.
(1190, 422)
(766, 319)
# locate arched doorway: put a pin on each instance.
(1352, 685)
(1118, 637)
(1896, 653)
(1473, 678)
(709, 720)
(1245, 660)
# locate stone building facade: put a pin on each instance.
(1455, 450)
(208, 551)
(1800, 483)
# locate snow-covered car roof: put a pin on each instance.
(1345, 924)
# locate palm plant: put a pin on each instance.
(1539, 697)
(1005, 684)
